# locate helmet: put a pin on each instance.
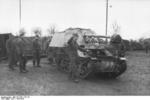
(116, 38)
(37, 32)
(22, 32)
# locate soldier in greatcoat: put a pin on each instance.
(73, 56)
(36, 50)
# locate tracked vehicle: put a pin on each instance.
(104, 58)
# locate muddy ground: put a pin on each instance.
(49, 81)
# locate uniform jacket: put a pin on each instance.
(73, 47)
(36, 45)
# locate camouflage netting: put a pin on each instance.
(60, 39)
(80, 31)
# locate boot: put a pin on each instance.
(34, 63)
(76, 80)
(70, 77)
(11, 68)
(23, 71)
(39, 66)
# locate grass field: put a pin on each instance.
(49, 81)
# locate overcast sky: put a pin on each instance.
(133, 16)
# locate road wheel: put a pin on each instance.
(85, 68)
(65, 64)
(119, 69)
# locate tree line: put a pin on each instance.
(140, 44)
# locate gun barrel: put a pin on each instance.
(100, 36)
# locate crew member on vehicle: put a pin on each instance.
(117, 42)
(73, 56)
(36, 49)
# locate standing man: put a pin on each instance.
(15, 48)
(20, 47)
(73, 56)
(36, 49)
(11, 52)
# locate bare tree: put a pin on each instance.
(51, 30)
(116, 28)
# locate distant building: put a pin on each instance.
(3, 38)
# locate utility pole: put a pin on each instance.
(20, 14)
(106, 20)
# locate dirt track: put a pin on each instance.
(49, 81)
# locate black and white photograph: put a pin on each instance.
(74, 48)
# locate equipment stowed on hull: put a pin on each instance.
(101, 57)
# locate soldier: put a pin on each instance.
(118, 44)
(73, 56)
(36, 49)
(20, 51)
(10, 52)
